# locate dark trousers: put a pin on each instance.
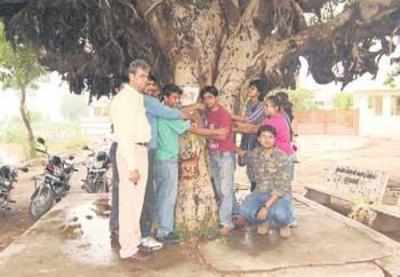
(146, 220)
(114, 192)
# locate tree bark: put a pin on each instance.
(27, 123)
(190, 37)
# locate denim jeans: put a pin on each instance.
(146, 220)
(114, 192)
(279, 215)
(222, 169)
(166, 189)
(292, 158)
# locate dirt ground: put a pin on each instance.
(15, 221)
(316, 153)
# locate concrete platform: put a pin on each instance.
(73, 240)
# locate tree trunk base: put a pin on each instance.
(196, 207)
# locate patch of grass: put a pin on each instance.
(60, 137)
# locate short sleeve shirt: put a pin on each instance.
(219, 119)
(168, 138)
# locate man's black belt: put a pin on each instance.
(144, 144)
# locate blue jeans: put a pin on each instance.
(292, 158)
(222, 169)
(279, 215)
(166, 189)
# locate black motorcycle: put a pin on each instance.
(97, 166)
(53, 184)
(8, 179)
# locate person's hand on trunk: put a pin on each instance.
(134, 176)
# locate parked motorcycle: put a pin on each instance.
(8, 179)
(53, 185)
(97, 166)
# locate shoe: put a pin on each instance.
(284, 232)
(225, 230)
(140, 256)
(263, 229)
(239, 221)
(151, 243)
(170, 239)
(294, 224)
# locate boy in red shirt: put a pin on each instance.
(221, 149)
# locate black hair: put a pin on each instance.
(261, 85)
(208, 89)
(274, 100)
(285, 104)
(266, 128)
(283, 96)
(152, 78)
(170, 89)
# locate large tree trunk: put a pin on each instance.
(207, 45)
(27, 123)
(190, 38)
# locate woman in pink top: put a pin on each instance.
(276, 118)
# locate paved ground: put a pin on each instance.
(73, 240)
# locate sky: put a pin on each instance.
(46, 99)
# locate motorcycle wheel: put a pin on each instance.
(41, 202)
(101, 185)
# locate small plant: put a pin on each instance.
(344, 101)
(303, 100)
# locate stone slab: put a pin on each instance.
(319, 240)
(350, 270)
(73, 240)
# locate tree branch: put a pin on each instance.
(346, 40)
(152, 7)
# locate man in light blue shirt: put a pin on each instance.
(154, 109)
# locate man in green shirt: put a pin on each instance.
(166, 166)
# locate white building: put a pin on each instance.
(379, 112)
(97, 125)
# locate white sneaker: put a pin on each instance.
(294, 224)
(151, 243)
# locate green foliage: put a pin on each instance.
(344, 101)
(303, 100)
(61, 137)
(19, 69)
(390, 80)
(19, 66)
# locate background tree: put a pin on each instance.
(19, 69)
(199, 42)
(303, 100)
(344, 101)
